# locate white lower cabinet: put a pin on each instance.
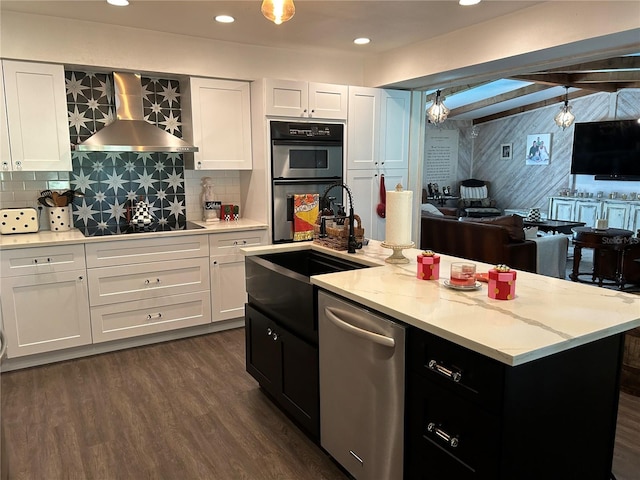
(151, 286)
(619, 214)
(588, 212)
(365, 187)
(228, 284)
(45, 304)
(634, 219)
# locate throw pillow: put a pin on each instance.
(475, 193)
(431, 209)
(512, 223)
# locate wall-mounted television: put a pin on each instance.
(609, 150)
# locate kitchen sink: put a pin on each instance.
(279, 285)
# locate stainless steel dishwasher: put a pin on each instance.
(361, 389)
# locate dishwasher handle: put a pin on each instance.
(366, 334)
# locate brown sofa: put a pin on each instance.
(484, 242)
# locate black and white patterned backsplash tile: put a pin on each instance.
(113, 181)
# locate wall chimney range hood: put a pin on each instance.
(130, 132)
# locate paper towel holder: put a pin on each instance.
(397, 257)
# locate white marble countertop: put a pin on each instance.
(47, 238)
(547, 316)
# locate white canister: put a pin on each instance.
(59, 218)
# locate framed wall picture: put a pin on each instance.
(538, 149)
(506, 151)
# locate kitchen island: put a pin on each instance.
(547, 316)
(526, 388)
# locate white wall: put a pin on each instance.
(565, 32)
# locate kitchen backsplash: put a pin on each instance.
(109, 180)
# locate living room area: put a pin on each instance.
(528, 193)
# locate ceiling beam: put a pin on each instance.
(596, 81)
(617, 63)
(531, 106)
(529, 89)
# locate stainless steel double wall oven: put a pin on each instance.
(305, 158)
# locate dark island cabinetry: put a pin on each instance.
(471, 417)
(285, 366)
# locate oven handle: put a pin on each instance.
(310, 142)
(306, 181)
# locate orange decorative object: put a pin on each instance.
(428, 266)
(305, 212)
(502, 283)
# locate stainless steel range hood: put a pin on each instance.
(130, 132)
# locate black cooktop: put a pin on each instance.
(131, 229)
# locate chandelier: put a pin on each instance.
(437, 112)
(565, 118)
(278, 11)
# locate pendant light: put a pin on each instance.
(565, 118)
(278, 11)
(437, 112)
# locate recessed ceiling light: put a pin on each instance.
(118, 3)
(361, 41)
(468, 2)
(225, 19)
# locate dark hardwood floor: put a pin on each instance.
(178, 410)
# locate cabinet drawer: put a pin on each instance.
(453, 437)
(37, 260)
(231, 242)
(131, 319)
(473, 376)
(125, 252)
(147, 280)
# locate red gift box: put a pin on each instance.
(502, 285)
(428, 267)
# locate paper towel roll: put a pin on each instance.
(398, 216)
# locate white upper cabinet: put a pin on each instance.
(37, 117)
(5, 151)
(220, 112)
(394, 138)
(363, 127)
(378, 129)
(288, 98)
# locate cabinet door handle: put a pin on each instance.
(274, 336)
(151, 317)
(450, 439)
(80, 278)
(442, 370)
(269, 332)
